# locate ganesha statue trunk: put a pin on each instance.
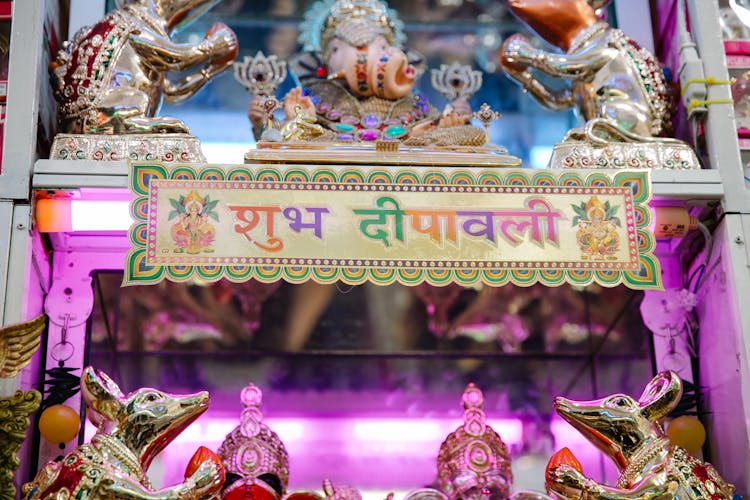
(382, 71)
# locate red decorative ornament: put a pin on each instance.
(201, 455)
(59, 424)
(216, 28)
(249, 488)
(563, 456)
(321, 72)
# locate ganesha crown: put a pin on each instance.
(325, 17)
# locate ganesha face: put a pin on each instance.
(377, 68)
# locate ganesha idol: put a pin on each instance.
(616, 86)
(111, 78)
(358, 86)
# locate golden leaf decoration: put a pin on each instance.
(18, 343)
(14, 419)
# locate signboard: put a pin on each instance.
(407, 225)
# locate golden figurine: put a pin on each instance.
(628, 431)
(474, 462)
(302, 127)
(618, 87)
(18, 343)
(359, 83)
(611, 77)
(254, 455)
(132, 430)
(111, 78)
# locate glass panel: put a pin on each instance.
(364, 383)
(347, 320)
(367, 395)
(444, 31)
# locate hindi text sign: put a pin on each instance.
(540, 227)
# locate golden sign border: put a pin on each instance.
(137, 271)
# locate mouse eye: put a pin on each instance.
(618, 402)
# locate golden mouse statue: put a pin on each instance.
(132, 430)
(111, 77)
(628, 431)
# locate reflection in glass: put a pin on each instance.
(445, 32)
(355, 378)
(364, 383)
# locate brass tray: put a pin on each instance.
(358, 154)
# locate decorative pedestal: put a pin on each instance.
(168, 148)
(371, 154)
(615, 155)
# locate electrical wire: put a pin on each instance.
(700, 271)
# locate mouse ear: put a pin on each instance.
(660, 396)
(101, 394)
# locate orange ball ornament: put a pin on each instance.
(59, 424)
(687, 432)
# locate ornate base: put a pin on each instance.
(167, 148)
(616, 155)
(327, 153)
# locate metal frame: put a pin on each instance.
(721, 130)
(24, 92)
(71, 299)
(725, 334)
(695, 187)
(6, 222)
(19, 265)
(724, 345)
(24, 283)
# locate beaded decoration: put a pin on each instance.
(82, 69)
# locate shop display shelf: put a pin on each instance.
(696, 187)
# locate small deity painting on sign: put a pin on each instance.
(597, 229)
(192, 233)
